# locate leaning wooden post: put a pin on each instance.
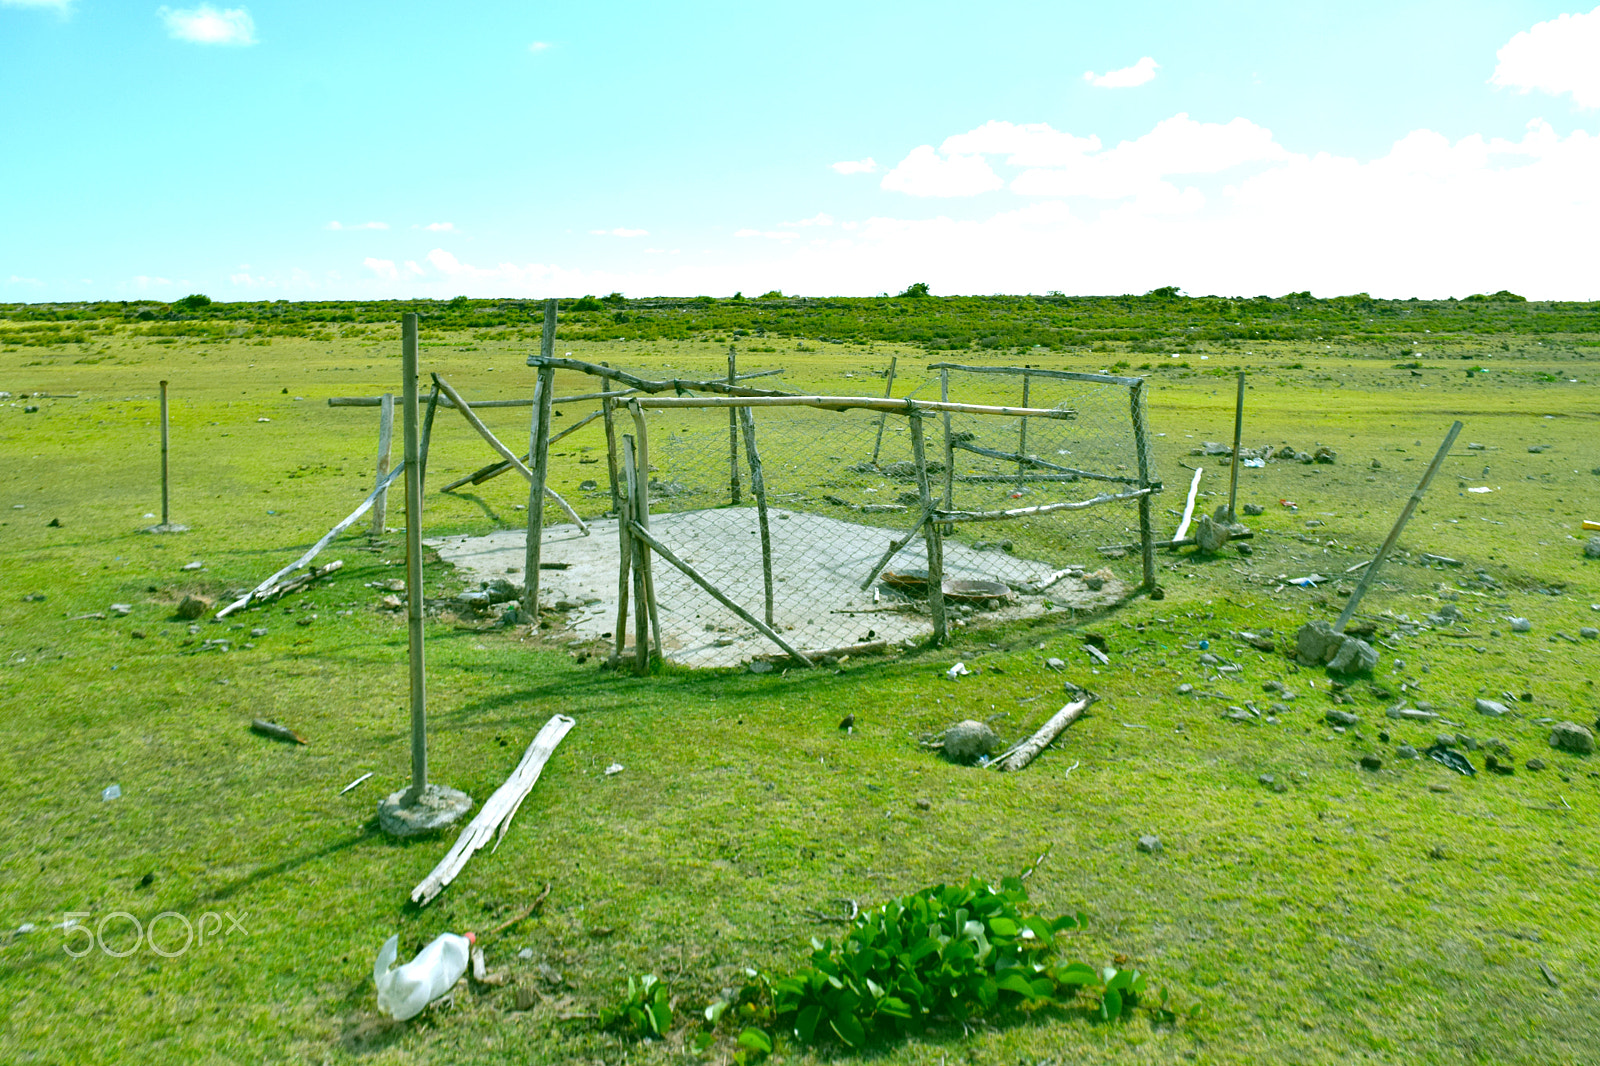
(641, 516)
(608, 408)
(1238, 433)
(427, 433)
(539, 452)
(758, 485)
(625, 541)
(888, 391)
(166, 517)
(639, 553)
(1394, 534)
(934, 539)
(1022, 433)
(1141, 445)
(949, 451)
(733, 432)
(380, 509)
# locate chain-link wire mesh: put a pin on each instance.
(842, 560)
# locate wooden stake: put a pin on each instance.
(895, 547)
(693, 575)
(624, 511)
(414, 595)
(1141, 444)
(641, 617)
(380, 509)
(1024, 753)
(733, 433)
(608, 407)
(1040, 509)
(166, 517)
(641, 516)
(758, 485)
(1022, 432)
(427, 434)
(1238, 433)
(1394, 534)
(1188, 507)
(949, 448)
(888, 393)
(935, 542)
(539, 450)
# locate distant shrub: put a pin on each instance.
(916, 290)
(193, 302)
(771, 294)
(587, 303)
(1166, 292)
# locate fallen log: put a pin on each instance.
(1025, 752)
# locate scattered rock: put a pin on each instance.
(1521, 625)
(1405, 751)
(1570, 736)
(1185, 688)
(1535, 764)
(1491, 708)
(1438, 786)
(966, 741)
(54, 523)
(760, 666)
(1255, 509)
(1272, 686)
(1592, 549)
(193, 607)
(1266, 779)
(923, 804)
(196, 565)
(1097, 580)
(1150, 845)
(1589, 632)
(1344, 718)
(1370, 761)
(1210, 535)
(1055, 664)
(1355, 656)
(1324, 455)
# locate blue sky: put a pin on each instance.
(304, 151)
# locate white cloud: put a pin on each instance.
(384, 268)
(335, 225)
(17, 279)
(1034, 145)
(926, 173)
(538, 46)
(1559, 56)
(819, 219)
(771, 235)
(855, 166)
(1126, 78)
(620, 231)
(1178, 145)
(441, 227)
(206, 25)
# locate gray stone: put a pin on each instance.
(193, 607)
(1592, 549)
(1055, 664)
(1589, 632)
(1445, 740)
(760, 666)
(1185, 688)
(1405, 751)
(1344, 718)
(1370, 761)
(1491, 708)
(1325, 455)
(1150, 845)
(437, 808)
(1253, 509)
(1535, 764)
(1521, 625)
(1209, 535)
(1266, 779)
(258, 631)
(1316, 643)
(1354, 656)
(1570, 736)
(966, 741)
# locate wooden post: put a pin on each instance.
(934, 539)
(888, 391)
(380, 509)
(641, 517)
(166, 517)
(758, 485)
(608, 407)
(539, 451)
(1141, 445)
(733, 432)
(641, 618)
(949, 451)
(414, 599)
(1238, 433)
(1022, 434)
(624, 567)
(1394, 534)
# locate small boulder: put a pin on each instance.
(1491, 707)
(1370, 761)
(1210, 535)
(1324, 455)
(1535, 763)
(965, 742)
(1354, 656)
(1316, 643)
(1592, 549)
(1570, 736)
(193, 607)
(1150, 845)
(1255, 509)
(1344, 718)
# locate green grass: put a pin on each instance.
(1357, 916)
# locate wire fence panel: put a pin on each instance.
(841, 563)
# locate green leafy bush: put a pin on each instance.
(645, 1011)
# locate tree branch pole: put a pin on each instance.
(888, 393)
(641, 517)
(733, 432)
(949, 500)
(758, 486)
(414, 595)
(380, 509)
(1141, 444)
(1022, 432)
(539, 451)
(1394, 534)
(934, 539)
(1238, 434)
(427, 434)
(638, 555)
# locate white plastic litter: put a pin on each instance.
(405, 990)
(1480, 488)
(958, 670)
(1256, 463)
(114, 792)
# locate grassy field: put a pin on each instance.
(1338, 915)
